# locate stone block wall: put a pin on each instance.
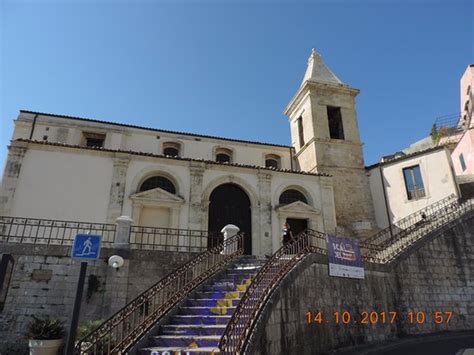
(437, 275)
(44, 281)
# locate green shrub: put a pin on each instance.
(88, 327)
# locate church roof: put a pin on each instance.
(318, 71)
(101, 149)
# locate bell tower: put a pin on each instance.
(326, 139)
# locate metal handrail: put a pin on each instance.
(378, 250)
(405, 223)
(266, 280)
(173, 239)
(51, 232)
(433, 219)
(122, 330)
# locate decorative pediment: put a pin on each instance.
(297, 207)
(156, 196)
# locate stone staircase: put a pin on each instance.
(196, 326)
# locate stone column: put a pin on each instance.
(196, 170)
(16, 153)
(265, 212)
(122, 234)
(328, 208)
(117, 187)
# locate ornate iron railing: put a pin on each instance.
(383, 247)
(169, 239)
(121, 331)
(405, 224)
(50, 232)
(266, 280)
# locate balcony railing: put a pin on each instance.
(416, 192)
(57, 232)
(51, 232)
(169, 239)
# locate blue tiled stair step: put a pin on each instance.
(198, 319)
(171, 350)
(201, 341)
(207, 311)
(209, 302)
(192, 329)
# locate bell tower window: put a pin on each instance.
(299, 123)
(336, 130)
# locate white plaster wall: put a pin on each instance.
(378, 198)
(63, 185)
(438, 180)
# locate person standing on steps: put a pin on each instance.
(287, 233)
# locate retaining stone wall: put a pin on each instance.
(44, 281)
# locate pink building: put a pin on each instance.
(463, 154)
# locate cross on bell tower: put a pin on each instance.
(325, 135)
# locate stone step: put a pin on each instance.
(180, 341)
(210, 302)
(198, 319)
(219, 294)
(192, 329)
(207, 311)
(182, 351)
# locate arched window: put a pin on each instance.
(290, 196)
(272, 161)
(158, 181)
(223, 155)
(223, 158)
(171, 149)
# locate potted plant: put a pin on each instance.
(45, 336)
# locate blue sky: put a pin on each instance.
(229, 68)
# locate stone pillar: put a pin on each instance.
(328, 207)
(117, 187)
(229, 231)
(265, 212)
(16, 153)
(122, 234)
(195, 196)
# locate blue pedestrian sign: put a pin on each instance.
(86, 247)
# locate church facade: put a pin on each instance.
(78, 169)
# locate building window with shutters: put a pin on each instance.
(414, 183)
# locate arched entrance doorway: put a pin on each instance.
(229, 204)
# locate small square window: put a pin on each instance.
(94, 140)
